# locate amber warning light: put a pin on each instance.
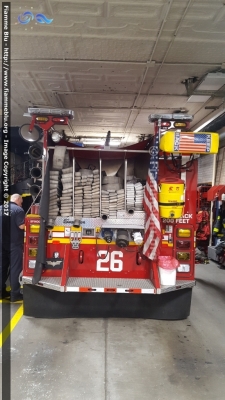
(41, 119)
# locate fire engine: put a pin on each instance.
(115, 232)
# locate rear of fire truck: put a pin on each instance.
(115, 233)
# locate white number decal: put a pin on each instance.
(102, 260)
(115, 264)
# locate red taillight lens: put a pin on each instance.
(182, 244)
(33, 240)
(165, 124)
(60, 120)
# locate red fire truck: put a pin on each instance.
(89, 251)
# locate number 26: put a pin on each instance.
(116, 265)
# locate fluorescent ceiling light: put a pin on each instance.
(212, 81)
(114, 143)
(101, 142)
(199, 129)
(198, 98)
(94, 141)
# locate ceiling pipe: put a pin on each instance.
(73, 60)
(163, 61)
(148, 64)
(222, 136)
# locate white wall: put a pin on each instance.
(220, 167)
(205, 168)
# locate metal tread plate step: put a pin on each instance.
(179, 285)
(108, 285)
(47, 282)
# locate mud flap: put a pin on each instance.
(46, 303)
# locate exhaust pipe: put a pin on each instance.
(105, 217)
(36, 172)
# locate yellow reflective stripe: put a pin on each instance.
(84, 241)
(59, 240)
(11, 325)
(58, 229)
(62, 229)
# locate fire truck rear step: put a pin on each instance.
(179, 285)
(108, 285)
(48, 282)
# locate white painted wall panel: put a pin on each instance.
(205, 169)
(220, 167)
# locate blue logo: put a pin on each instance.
(28, 16)
(42, 19)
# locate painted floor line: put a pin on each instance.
(11, 325)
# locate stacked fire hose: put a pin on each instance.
(112, 197)
(66, 200)
(86, 191)
(134, 198)
(54, 193)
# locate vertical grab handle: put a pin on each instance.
(100, 188)
(73, 194)
(125, 184)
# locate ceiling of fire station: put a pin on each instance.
(115, 62)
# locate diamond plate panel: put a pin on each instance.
(110, 283)
(179, 285)
(123, 219)
(26, 279)
(49, 283)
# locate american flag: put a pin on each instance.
(189, 142)
(152, 234)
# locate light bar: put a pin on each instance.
(51, 111)
(185, 117)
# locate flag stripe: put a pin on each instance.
(192, 142)
(152, 227)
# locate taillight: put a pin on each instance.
(34, 228)
(183, 244)
(33, 240)
(183, 256)
(31, 264)
(184, 268)
(32, 252)
(183, 232)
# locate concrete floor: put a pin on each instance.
(126, 359)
